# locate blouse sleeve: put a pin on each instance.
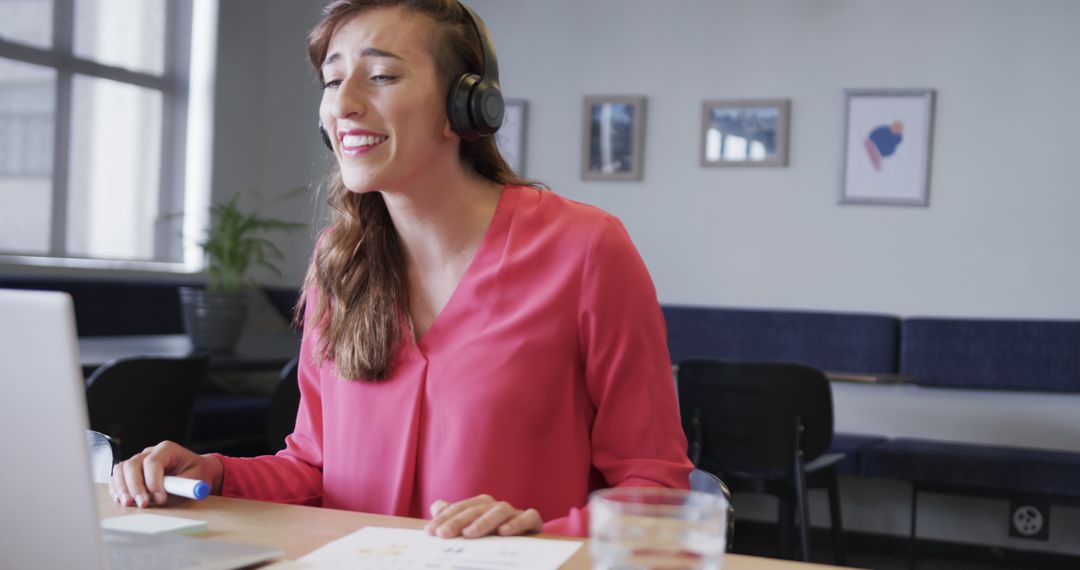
(637, 438)
(294, 474)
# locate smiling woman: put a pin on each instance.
(476, 350)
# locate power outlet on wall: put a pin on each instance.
(1029, 518)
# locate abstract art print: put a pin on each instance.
(887, 146)
(745, 132)
(613, 138)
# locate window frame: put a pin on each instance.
(171, 247)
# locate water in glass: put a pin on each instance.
(656, 529)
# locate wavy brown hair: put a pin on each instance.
(358, 271)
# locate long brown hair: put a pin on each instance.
(358, 271)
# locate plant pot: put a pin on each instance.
(214, 320)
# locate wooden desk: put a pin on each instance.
(299, 530)
(868, 378)
(254, 353)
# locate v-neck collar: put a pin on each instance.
(490, 246)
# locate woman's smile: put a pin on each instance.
(355, 142)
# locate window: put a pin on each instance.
(104, 146)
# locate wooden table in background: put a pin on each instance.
(299, 530)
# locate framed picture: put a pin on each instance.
(613, 138)
(888, 136)
(750, 132)
(510, 138)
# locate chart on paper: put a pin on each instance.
(400, 549)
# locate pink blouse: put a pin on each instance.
(545, 377)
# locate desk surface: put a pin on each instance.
(298, 530)
(254, 353)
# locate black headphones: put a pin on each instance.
(475, 103)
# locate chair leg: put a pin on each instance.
(802, 511)
(839, 552)
(912, 562)
(783, 517)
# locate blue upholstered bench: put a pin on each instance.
(853, 446)
(1032, 479)
(839, 342)
(836, 342)
(976, 468)
(107, 307)
(116, 307)
(1026, 355)
(983, 354)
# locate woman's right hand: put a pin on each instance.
(139, 481)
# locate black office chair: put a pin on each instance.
(705, 482)
(281, 419)
(104, 454)
(141, 401)
(764, 428)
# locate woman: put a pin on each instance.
(474, 347)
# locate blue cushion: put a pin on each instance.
(114, 307)
(1009, 470)
(852, 446)
(829, 341)
(992, 354)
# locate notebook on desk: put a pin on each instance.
(48, 514)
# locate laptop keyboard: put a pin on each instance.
(133, 551)
(120, 559)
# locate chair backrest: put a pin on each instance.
(104, 453)
(283, 406)
(142, 401)
(749, 417)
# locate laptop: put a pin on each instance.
(48, 510)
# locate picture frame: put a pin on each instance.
(613, 137)
(745, 132)
(888, 143)
(511, 136)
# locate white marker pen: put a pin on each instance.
(184, 487)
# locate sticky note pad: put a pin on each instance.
(147, 523)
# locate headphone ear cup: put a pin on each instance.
(457, 106)
(486, 108)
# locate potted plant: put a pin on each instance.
(214, 316)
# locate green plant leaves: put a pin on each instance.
(236, 242)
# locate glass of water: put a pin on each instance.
(651, 528)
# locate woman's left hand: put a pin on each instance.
(480, 516)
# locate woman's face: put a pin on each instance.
(383, 105)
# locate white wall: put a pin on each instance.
(266, 110)
(999, 237)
